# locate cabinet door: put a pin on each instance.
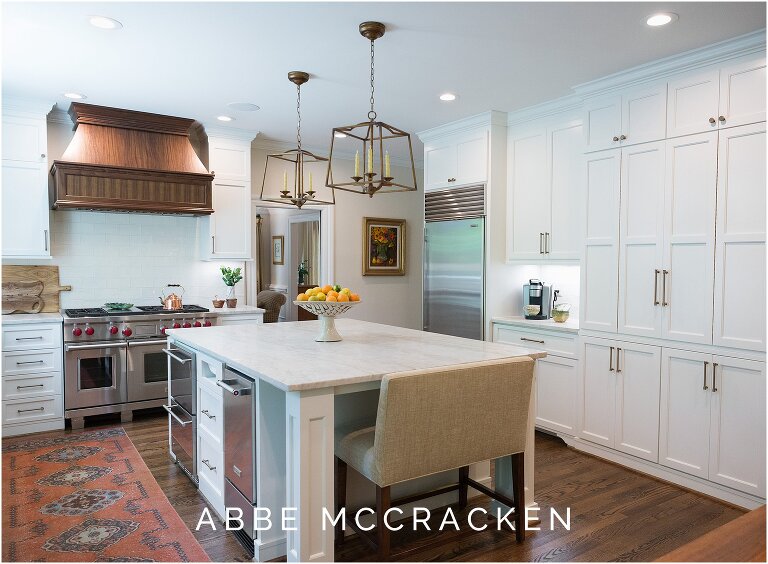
(600, 265)
(742, 93)
(692, 103)
(556, 392)
(25, 210)
(739, 319)
(230, 222)
(689, 238)
(528, 199)
(686, 384)
(566, 162)
(644, 115)
(602, 122)
(737, 428)
(440, 165)
(598, 391)
(472, 160)
(641, 227)
(24, 139)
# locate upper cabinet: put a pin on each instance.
(457, 160)
(636, 116)
(25, 204)
(544, 179)
(226, 234)
(729, 96)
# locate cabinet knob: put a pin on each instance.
(615, 138)
(42, 155)
(712, 120)
(722, 119)
(622, 138)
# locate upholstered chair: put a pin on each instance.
(271, 301)
(437, 420)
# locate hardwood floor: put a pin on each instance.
(616, 514)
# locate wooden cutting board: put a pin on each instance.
(22, 297)
(17, 277)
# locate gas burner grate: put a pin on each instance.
(184, 309)
(86, 312)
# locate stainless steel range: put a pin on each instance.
(114, 361)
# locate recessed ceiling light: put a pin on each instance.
(103, 22)
(244, 107)
(447, 97)
(75, 96)
(224, 118)
(340, 135)
(662, 18)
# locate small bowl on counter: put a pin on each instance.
(217, 303)
(531, 310)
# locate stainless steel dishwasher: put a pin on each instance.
(240, 449)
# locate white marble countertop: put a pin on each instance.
(239, 310)
(570, 326)
(287, 355)
(18, 318)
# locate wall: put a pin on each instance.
(562, 277)
(393, 300)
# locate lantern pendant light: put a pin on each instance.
(371, 141)
(298, 196)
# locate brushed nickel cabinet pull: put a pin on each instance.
(656, 286)
(610, 360)
(712, 120)
(213, 243)
(208, 415)
(28, 410)
(546, 243)
(664, 301)
(30, 386)
(531, 340)
(29, 338)
(705, 376)
(714, 377)
(541, 243)
(618, 360)
(45, 238)
(208, 464)
(30, 362)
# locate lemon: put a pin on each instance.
(313, 298)
(320, 297)
(346, 291)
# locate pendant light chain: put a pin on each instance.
(372, 113)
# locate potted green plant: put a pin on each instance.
(231, 276)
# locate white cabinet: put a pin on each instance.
(636, 116)
(739, 304)
(716, 98)
(226, 234)
(456, 160)
(712, 418)
(619, 396)
(25, 208)
(544, 193)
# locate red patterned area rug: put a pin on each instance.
(87, 496)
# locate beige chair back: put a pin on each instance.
(438, 420)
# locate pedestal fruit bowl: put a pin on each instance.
(326, 312)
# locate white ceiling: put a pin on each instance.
(190, 59)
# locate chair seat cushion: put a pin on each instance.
(355, 447)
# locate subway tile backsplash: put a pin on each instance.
(110, 257)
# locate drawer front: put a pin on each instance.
(28, 337)
(210, 471)
(32, 410)
(559, 344)
(211, 414)
(241, 320)
(32, 385)
(31, 362)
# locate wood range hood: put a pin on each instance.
(131, 161)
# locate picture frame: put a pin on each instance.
(278, 247)
(383, 247)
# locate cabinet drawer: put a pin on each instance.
(27, 337)
(210, 418)
(559, 344)
(32, 385)
(32, 410)
(31, 362)
(210, 471)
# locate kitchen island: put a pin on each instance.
(313, 387)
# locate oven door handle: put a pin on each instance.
(177, 358)
(169, 409)
(107, 345)
(147, 343)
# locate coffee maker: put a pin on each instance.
(536, 293)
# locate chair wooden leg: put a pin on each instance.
(341, 495)
(518, 494)
(463, 486)
(383, 503)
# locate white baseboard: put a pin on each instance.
(26, 428)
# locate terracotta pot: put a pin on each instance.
(232, 302)
(218, 303)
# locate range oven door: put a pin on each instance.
(147, 370)
(95, 375)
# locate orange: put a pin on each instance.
(342, 298)
(327, 288)
(333, 293)
(354, 297)
(302, 297)
(331, 299)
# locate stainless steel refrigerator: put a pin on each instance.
(454, 268)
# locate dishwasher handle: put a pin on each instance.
(169, 409)
(225, 385)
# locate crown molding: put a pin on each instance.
(486, 119)
(58, 115)
(31, 107)
(556, 107)
(230, 133)
(751, 43)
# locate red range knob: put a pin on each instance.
(89, 330)
(207, 324)
(176, 325)
(197, 324)
(113, 330)
(77, 331)
(187, 325)
(162, 329)
(127, 332)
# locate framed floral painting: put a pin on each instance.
(383, 247)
